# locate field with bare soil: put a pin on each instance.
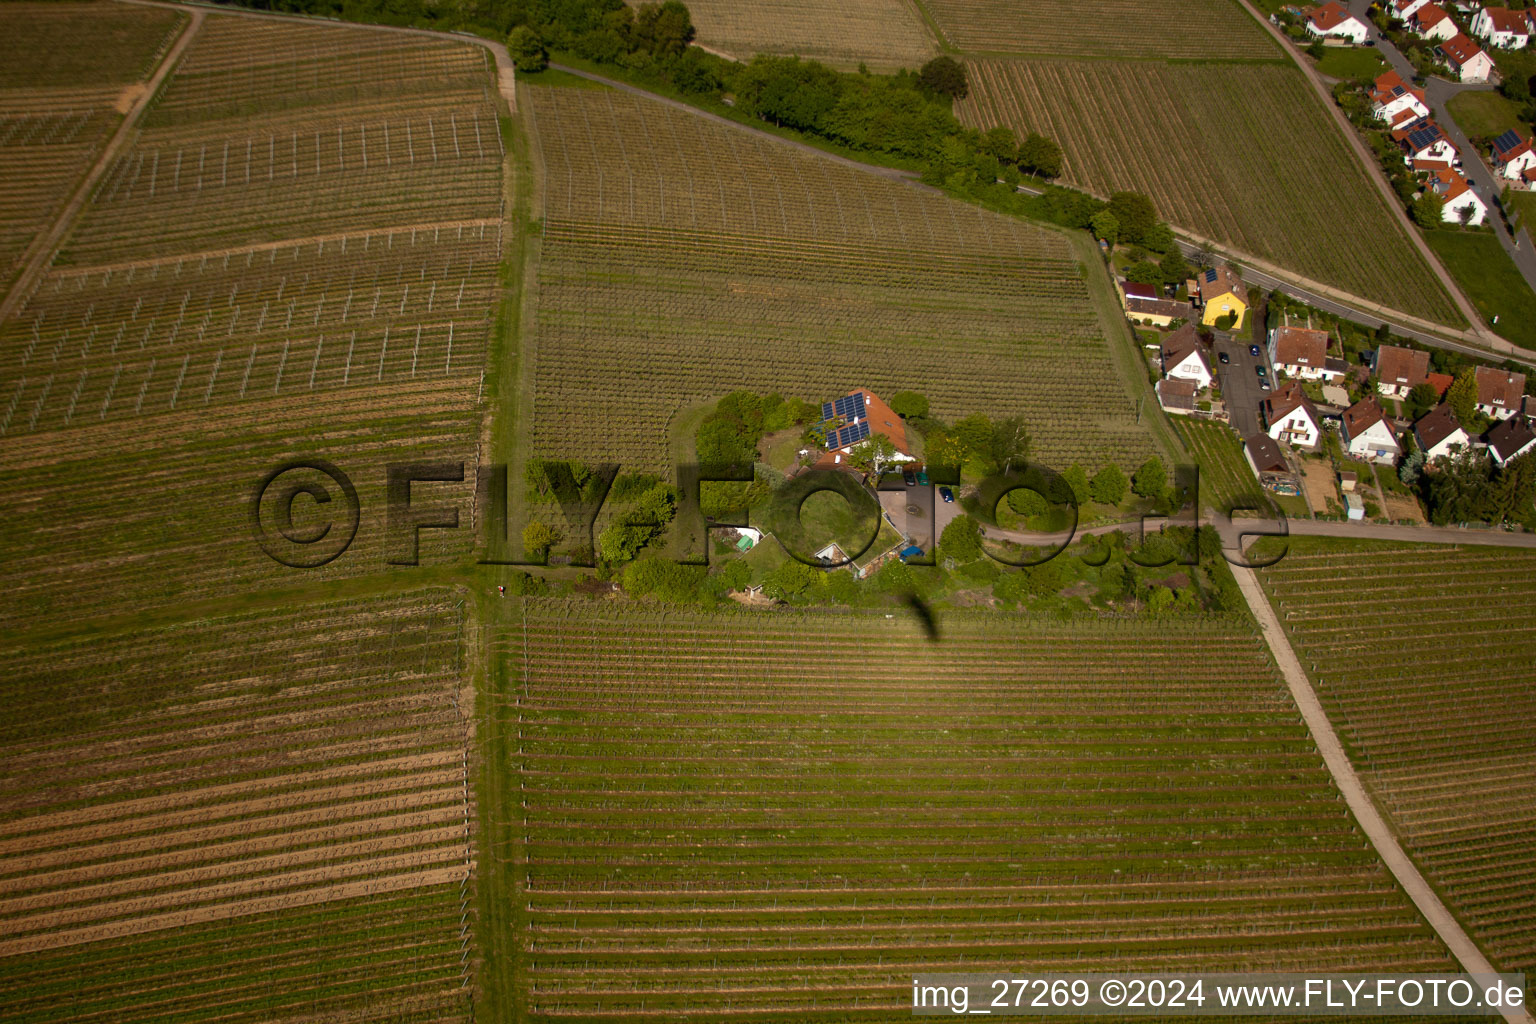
(882, 34)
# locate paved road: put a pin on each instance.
(1438, 92)
(40, 253)
(1269, 282)
(1353, 790)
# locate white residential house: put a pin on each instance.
(1431, 22)
(1290, 417)
(1439, 434)
(1500, 393)
(1510, 439)
(1462, 205)
(1513, 155)
(1333, 21)
(1425, 143)
(1399, 370)
(1396, 102)
(1466, 59)
(1402, 10)
(1184, 357)
(1367, 434)
(1299, 351)
(1502, 28)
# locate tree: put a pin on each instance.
(527, 50)
(1077, 479)
(1027, 502)
(663, 29)
(1000, 143)
(1105, 227)
(792, 581)
(943, 448)
(1151, 480)
(1427, 209)
(1144, 272)
(1108, 485)
(538, 538)
(1008, 443)
(1462, 395)
(961, 540)
(1136, 213)
(974, 435)
(1040, 156)
(694, 73)
(1174, 267)
(909, 405)
(944, 76)
(1420, 400)
(874, 455)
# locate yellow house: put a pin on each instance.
(1222, 292)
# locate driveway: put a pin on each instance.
(1438, 93)
(1239, 379)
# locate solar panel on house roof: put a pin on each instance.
(1210, 275)
(1509, 140)
(826, 410)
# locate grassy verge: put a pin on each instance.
(1352, 63)
(1491, 280)
(1484, 115)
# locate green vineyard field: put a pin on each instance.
(1425, 658)
(717, 260)
(784, 817)
(1243, 155)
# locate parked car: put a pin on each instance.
(1263, 385)
(947, 494)
(922, 478)
(908, 478)
(1253, 350)
(1261, 371)
(1225, 359)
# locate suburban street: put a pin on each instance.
(1438, 93)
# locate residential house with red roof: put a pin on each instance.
(1431, 22)
(1333, 21)
(1502, 28)
(1299, 351)
(1500, 393)
(1367, 434)
(851, 420)
(1396, 102)
(1466, 59)
(1426, 147)
(1399, 370)
(1402, 10)
(1513, 155)
(1291, 417)
(1462, 205)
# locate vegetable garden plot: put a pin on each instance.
(791, 815)
(291, 788)
(1244, 155)
(1426, 658)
